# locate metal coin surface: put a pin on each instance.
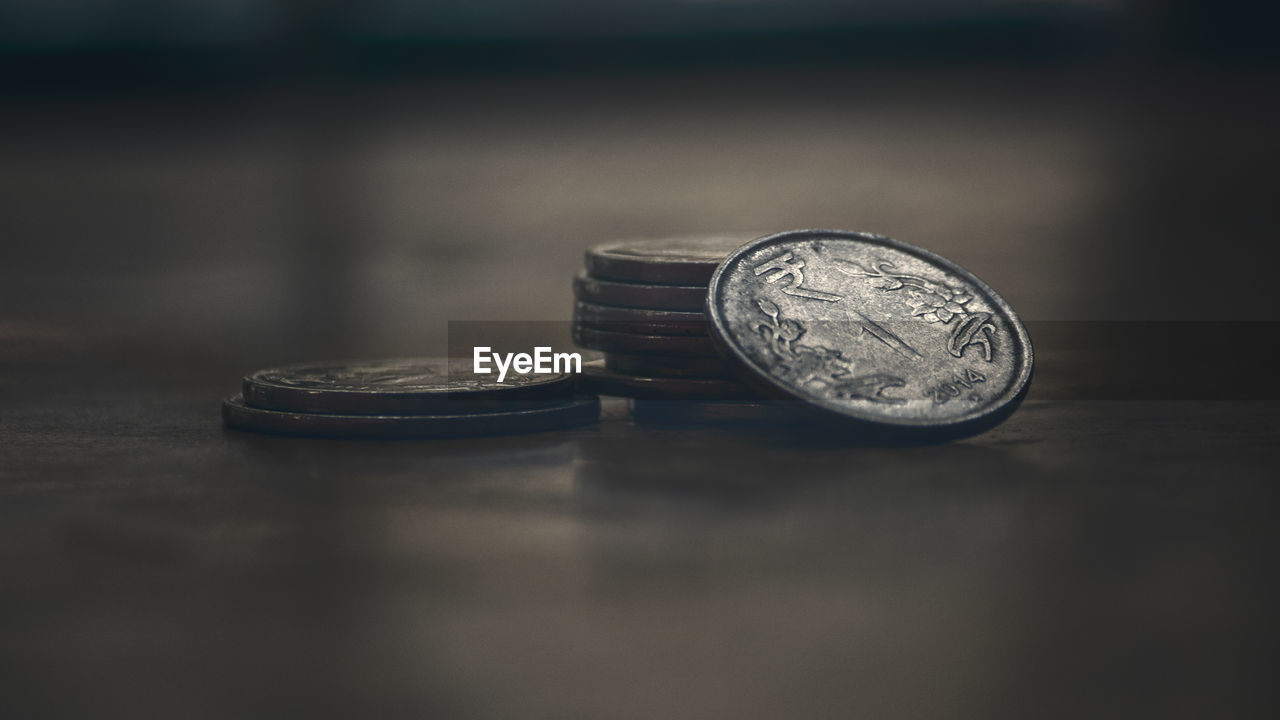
(406, 386)
(871, 330)
(655, 297)
(667, 261)
(642, 344)
(537, 417)
(599, 380)
(666, 366)
(640, 320)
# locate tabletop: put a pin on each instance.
(1108, 551)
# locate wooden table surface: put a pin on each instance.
(1109, 551)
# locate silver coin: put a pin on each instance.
(639, 295)
(642, 344)
(670, 261)
(667, 365)
(538, 417)
(867, 329)
(597, 379)
(405, 386)
(640, 320)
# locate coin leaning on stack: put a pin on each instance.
(642, 303)
(878, 338)
(419, 397)
(884, 340)
(865, 336)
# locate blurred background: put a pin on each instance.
(193, 189)
(292, 178)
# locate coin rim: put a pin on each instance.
(753, 374)
(634, 360)
(598, 379)
(570, 412)
(602, 261)
(271, 395)
(646, 321)
(639, 295)
(641, 344)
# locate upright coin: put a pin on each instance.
(860, 327)
(640, 320)
(407, 386)
(639, 295)
(536, 417)
(668, 261)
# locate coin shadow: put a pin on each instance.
(785, 427)
(744, 466)
(383, 461)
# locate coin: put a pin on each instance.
(596, 378)
(867, 329)
(665, 261)
(406, 386)
(666, 365)
(638, 295)
(674, 412)
(547, 415)
(642, 344)
(640, 320)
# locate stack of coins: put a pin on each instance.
(847, 332)
(642, 303)
(852, 330)
(422, 397)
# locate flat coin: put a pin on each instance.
(675, 412)
(655, 297)
(664, 261)
(867, 329)
(640, 320)
(548, 415)
(599, 380)
(643, 344)
(406, 386)
(667, 366)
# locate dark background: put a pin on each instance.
(193, 190)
